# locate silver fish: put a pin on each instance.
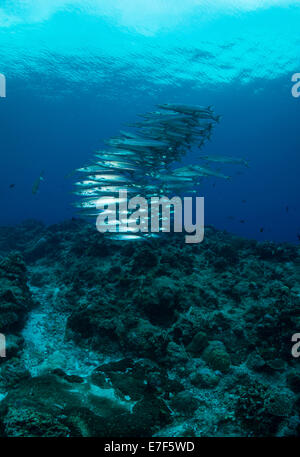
(224, 159)
(209, 172)
(138, 143)
(124, 236)
(109, 178)
(187, 109)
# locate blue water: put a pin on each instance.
(77, 71)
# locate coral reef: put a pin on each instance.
(15, 299)
(146, 339)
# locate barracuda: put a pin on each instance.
(224, 159)
(142, 161)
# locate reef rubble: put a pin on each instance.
(158, 338)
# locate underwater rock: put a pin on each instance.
(49, 397)
(293, 380)
(255, 361)
(70, 378)
(156, 327)
(120, 365)
(15, 298)
(216, 356)
(148, 415)
(12, 372)
(129, 385)
(43, 392)
(27, 421)
(143, 259)
(271, 251)
(100, 379)
(21, 237)
(160, 300)
(251, 410)
(84, 423)
(198, 343)
(189, 323)
(147, 340)
(290, 427)
(98, 324)
(152, 412)
(14, 344)
(184, 403)
(176, 353)
(43, 247)
(205, 378)
(135, 380)
(279, 402)
(263, 407)
(276, 364)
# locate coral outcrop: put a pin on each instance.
(142, 339)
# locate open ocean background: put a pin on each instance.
(76, 71)
(158, 338)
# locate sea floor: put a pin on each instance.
(160, 338)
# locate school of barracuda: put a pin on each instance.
(141, 161)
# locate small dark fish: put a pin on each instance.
(244, 201)
(11, 186)
(261, 229)
(298, 236)
(231, 218)
(286, 209)
(242, 221)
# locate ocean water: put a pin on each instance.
(76, 72)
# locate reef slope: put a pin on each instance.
(140, 339)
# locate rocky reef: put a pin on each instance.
(156, 338)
